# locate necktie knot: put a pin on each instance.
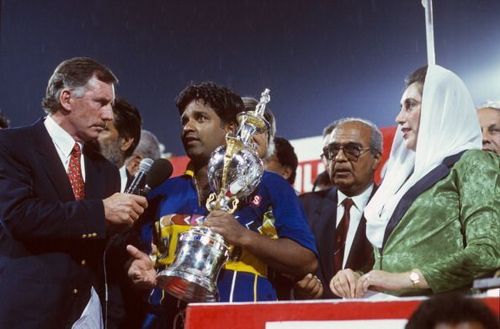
(76, 151)
(347, 203)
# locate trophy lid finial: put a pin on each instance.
(265, 98)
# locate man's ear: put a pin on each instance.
(65, 99)
(377, 158)
(286, 172)
(126, 142)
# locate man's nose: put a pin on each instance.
(340, 155)
(107, 112)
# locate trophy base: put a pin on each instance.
(187, 286)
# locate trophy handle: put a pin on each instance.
(222, 202)
(210, 200)
(234, 205)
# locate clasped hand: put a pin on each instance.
(349, 284)
(225, 224)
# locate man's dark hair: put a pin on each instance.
(286, 156)
(73, 73)
(417, 76)
(222, 100)
(4, 121)
(451, 309)
(128, 122)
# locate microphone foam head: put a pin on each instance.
(160, 171)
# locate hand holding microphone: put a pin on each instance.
(125, 208)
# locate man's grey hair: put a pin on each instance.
(328, 129)
(74, 74)
(376, 139)
(494, 105)
(149, 146)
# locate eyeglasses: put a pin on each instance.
(352, 151)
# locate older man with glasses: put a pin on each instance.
(489, 119)
(352, 153)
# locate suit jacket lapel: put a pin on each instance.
(360, 244)
(325, 231)
(47, 157)
(93, 184)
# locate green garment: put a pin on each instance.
(451, 232)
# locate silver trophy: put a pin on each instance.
(234, 171)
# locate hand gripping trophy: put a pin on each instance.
(234, 171)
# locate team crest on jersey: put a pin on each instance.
(257, 200)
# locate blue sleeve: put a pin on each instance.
(290, 220)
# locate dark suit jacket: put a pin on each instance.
(321, 212)
(51, 246)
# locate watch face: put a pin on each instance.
(414, 277)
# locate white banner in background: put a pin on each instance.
(308, 151)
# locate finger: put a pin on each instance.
(366, 284)
(335, 287)
(142, 201)
(340, 290)
(362, 285)
(217, 213)
(344, 285)
(316, 286)
(332, 286)
(303, 283)
(136, 198)
(311, 285)
(320, 291)
(136, 253)
(137, 208)
(359, 288)
(351, 281)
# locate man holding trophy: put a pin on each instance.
(284, 243)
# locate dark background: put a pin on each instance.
(322, 59)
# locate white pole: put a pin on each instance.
(429, 32)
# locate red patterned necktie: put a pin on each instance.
(341, 235)
(75, 173)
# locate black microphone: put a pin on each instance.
(138, 181)
(161, 170)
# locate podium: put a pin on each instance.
(358, 313)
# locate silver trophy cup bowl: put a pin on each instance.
(200, 255)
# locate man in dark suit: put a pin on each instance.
(58, 206)
(353, 152)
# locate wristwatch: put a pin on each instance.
(415, 279)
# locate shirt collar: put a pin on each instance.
(62, 140)
(359, 200)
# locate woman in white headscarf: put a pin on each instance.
(435, 220)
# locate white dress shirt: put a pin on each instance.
(355, 213)
(123, 178)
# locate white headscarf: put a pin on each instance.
(448, 125)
